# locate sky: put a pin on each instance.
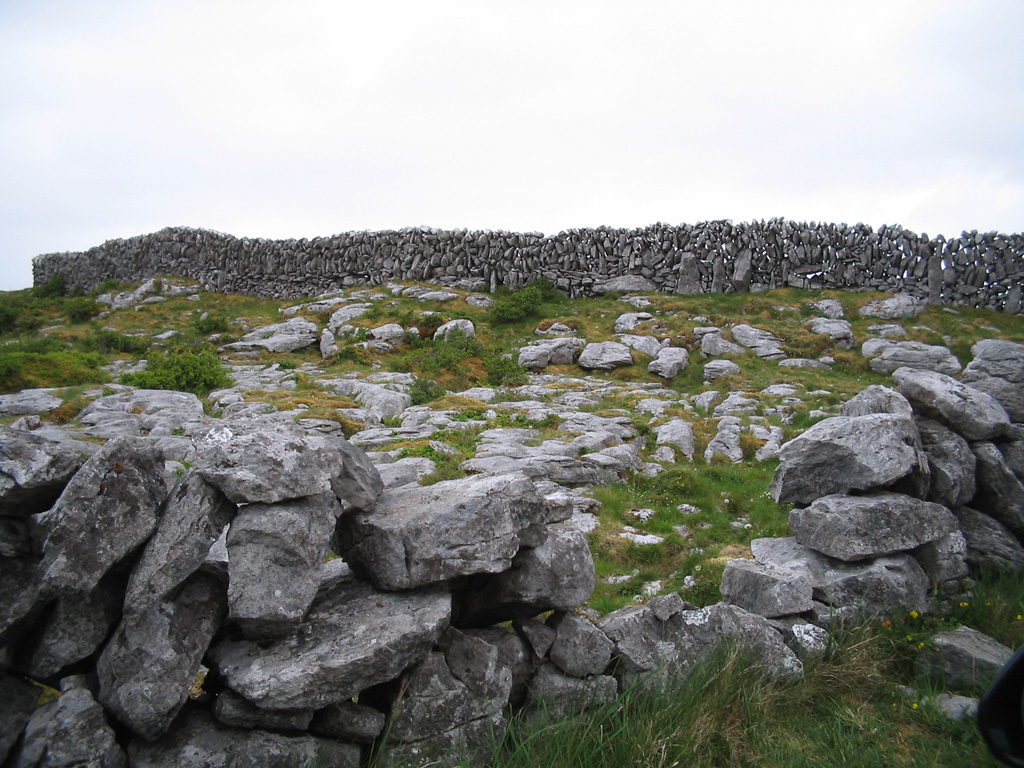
(277, 119)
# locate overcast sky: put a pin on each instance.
(313, 117)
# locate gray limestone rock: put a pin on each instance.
(726, 441)
(541, 354)
(275, 552)
(465, 744)
(195, 515)
(557, 575)
(558, 695)
(288, 336)
(28, 402)
(893, 355)
(763, 343)
(859, 527)
(764, 589)
(391, 332)
(715, 345)
(426, 534)
(386, 401)
(348, 721)
(108, 510)
(646, 345)
(896, 307)
(513, 652)
(657, 643)
(876, 399)
(605, 356)
(70, 732)
(627, 321)
(455, 327)
(232, 710)
(839, 331)
(944, 560)
(998, 370)
(406, 471)
(17, 705)
(20, 600)
(716, 369)
(346, 314)
(669, 362)
(199, 742)
(678, 433)
(951, 464)
(808, 641)
(328, 344)
(34, 471)
(830, 308)
(967, 411)
(847, 453)
(149, 665)
(854, 591)
(258, 462)
(990, 544)
(353, 637)
(999, 492)
(626, 284)
(579, 649)
(963, 659)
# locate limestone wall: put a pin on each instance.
(974, 269)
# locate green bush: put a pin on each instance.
(197, 372)
(446, 354)
(62, 368)
(81, 308)
(527, 302)
(54, 288)
(502, 370)
(112, 342)
(425, 391)
(211, 324)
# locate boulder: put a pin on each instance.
(839, 331)
(625, 284)
(405, 471)
(420, 535)
(540, 354)
(557, 575)
(678, 433)
(199, 742)
(288, 336)
(911, 354)
(657, 643)
(967, 411)
(604, 356)
(726, 441)
(385, 401)
(831, 308)
(28, 402)
(896, 307)
(328, 344)
(669, 362)
(69, 732)
(990, 544)
(944, 561)
(579, 648)
(390, 332)
(715, 345)
(716, 369)
(267, 463)
(859, 527)
(951, 464)
(761, 342)
(346, 314)
(646, 345)
(876, 399)
(558, 695)
(461, 326)
(107, 511)
(847, 453)
(627, 321)
(275, 552)
(963, 659)
(998, 370)
(855, 591)
(763, 589)
(999, 492)
(353, 637)
(149, 665)
(34, 471)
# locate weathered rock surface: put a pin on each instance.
(348, 721)
(876, 399)
(121, 488)
(999, 492)
(715, 345)
(669, 362)
(859, 527)
(149, 665)
(557, 694)
(557, 575)
(716, 369)
(646, 345)
(678, 433)
(656, 643)
(764, 589)
(895, 307)
(16, 708)
(564, 351)
(990, 544)
(761, 342)
(69, 732)
(288, 336)
(963, 659)
(839, 331)
(847, 453)
(893, 355)
(353, 637)
(967, 411)
(201, 743)
(951, 464)
(726, 441)
(34, 471)
(604, 356)
(454, 328)
(252, 463)
(427, 534)
(231, 709)
(275, 553)
(579, 648)
(998, 370)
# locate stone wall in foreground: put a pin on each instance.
(974, 269)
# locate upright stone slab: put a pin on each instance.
(105, 513)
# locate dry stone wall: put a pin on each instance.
(974, 269)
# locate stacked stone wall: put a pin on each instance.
(975, 269)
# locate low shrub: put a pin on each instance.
(196, 372)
